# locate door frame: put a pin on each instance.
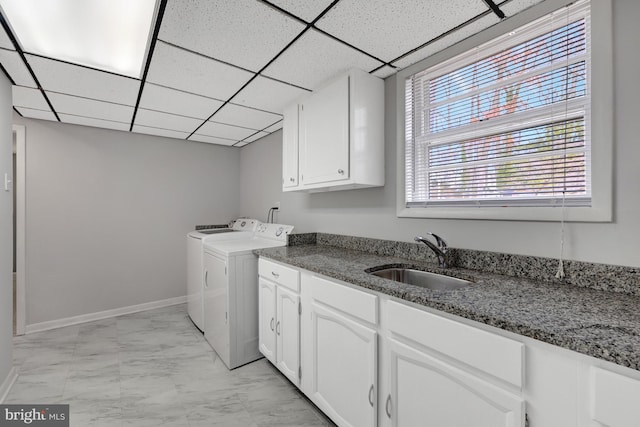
(19, 187)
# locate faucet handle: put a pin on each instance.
(439, 240)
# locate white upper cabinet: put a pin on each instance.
(290, 174)
(340, 136)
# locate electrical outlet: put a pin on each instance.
(277, 205)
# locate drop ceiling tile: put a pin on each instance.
(29, 98)
(36, 114)
(315, 58)
(84, 107)
(166, 121)
(246, 117)
(275, 127)
(390, 28)
(180, 69)
(222, 130)
(245, 33)
(270, 95)
(161, 98)
(98, 123)
(253, 137)
(307, 10)
(5, 42)
(62, 77)
(385, 72)
(160, 132)
(212, 139)
(514, 6)
(20, 74)
(449, 40)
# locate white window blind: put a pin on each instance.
(506, 124)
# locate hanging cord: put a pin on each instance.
(271, 213)
(560, 272)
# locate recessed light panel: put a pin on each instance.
(110, 35)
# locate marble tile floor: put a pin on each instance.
(152, 368)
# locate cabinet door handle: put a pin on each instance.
(292, 180)
(278, 328)
(271, 324)
(274, 274)
(371, 395)
(206, 282)
(340, 171)
(387, 406)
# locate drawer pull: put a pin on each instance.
(274, 274)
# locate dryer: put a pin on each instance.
(231, 292)
(195, 305)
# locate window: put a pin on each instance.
(505, 124)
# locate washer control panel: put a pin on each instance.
(245, 224)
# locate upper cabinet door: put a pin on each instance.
(290, 147)
(324, 134)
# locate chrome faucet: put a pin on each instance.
(440, 248)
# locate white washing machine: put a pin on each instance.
(231, 292)
(195, 301)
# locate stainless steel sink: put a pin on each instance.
(423, 279)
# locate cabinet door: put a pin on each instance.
(290, 147)
(267, 319)
(324, 134)
(288, 334)
(216, 305)
(343, 368)
(428, 392)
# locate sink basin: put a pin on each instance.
(423, 279)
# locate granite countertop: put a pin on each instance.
(602, 324)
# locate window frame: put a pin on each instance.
(601, 123)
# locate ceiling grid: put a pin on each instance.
(222, 72)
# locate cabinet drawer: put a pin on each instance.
(285, 276)
(615, 399)
(493, 354)
(356, 303)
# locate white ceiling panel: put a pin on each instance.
(12, 62)
(246, 117)
(179, 69)
(29, 98)
(254, 137)
(84, 107)
(212, 139)
(390, 28)
(173, 101)
(245, 33)
(5, 42)
(449, 40)
(166, 121)
(222, 130)
(314, 58)
(385, 72)
(36, 114)
(270, 95)
(71, 79)
(160, 132)
(88, 121)
(275, 127)
(515, 6)
(307, 10)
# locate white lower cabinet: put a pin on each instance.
(614, 398)
(340, 350)
(279, 314)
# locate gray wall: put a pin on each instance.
(108, 213)
(372, 212)
(6, 232)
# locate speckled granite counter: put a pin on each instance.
(601, 324)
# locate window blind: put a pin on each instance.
(506, 124)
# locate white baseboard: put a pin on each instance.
(68, 321)
(8, 383)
